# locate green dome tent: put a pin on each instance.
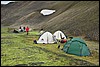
(76, 46)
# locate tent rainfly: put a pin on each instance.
(77, 47)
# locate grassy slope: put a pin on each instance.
(73, 17)
(19, 49)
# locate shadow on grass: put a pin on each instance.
(8, 37)
(21, 65)
(73, 61)
(31, 64)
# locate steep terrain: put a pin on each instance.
(80, 18)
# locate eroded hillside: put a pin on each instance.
(72, 17)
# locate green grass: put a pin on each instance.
(19, 50)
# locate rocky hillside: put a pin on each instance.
(79, 18)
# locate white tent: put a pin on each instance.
(46, 37)
(59, 35)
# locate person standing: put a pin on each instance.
(20, 29)
(27, 29)
(41, 32)
(24, 29)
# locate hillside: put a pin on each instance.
(17, 49)
(79, 18)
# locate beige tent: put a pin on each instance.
(46, 38)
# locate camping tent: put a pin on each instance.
(46, 37)
(59, 35)
(76, 46)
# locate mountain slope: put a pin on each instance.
(72, 17)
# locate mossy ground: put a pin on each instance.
(18, 49)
